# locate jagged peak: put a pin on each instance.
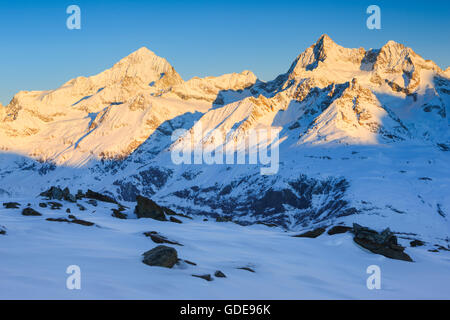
(142, 56)
(325, 49)
(141, 53)
(325, 42)
(145, 65)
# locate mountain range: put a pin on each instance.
(363, 137)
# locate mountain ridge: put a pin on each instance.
(359, 132)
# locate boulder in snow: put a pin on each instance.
(11, 205)
(30, 212)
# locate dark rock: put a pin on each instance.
(219, 274)
(100, 197)
(247, 269)
(270, 225)
(224, 219)
(2, 230)
(157, 238)
(117, 213)
(30, 212)
(93, 202)
(57, 220)
(82, 208)
(161, 256)
(417, 243)
(190, 262)
(433, 250)
(384, 243)
(311, 234)
(443, 147)
(83, 222)
(72, 217)
(79, 195)
(172, 213)
(11, 205)
(43, 205)
(206, 277)
(68, 210)
(147, 208)
(204, 220)
(54, 193)
(74, 220)
(68, 196)
(173, 219)
(338, 230)
(55, 205)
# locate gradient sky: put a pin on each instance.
(200, 38)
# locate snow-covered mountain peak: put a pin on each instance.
(324, 54)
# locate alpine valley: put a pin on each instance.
(86, 177)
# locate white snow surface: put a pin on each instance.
(36, 253)
(363, 137)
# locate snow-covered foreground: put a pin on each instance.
(35, 253)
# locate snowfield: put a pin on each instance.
(35, 254)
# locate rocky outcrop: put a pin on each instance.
(311, 234)
(338, 230)
(206, 277)
(30, 212)
(100, 197)
(72, 219)
(417, 243)
(161, 256)
(56, 193)
(384, 243)
(219, 274)
(118, 213)
(157, 238)
(247, 269)
(224, 219)
(175, 220)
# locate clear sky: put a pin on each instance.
(200, 38)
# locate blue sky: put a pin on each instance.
(200, 38)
